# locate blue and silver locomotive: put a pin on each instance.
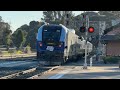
(56, 44)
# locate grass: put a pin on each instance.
(19, 52)
(9, 53)
(5, 53)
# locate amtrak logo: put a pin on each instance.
(50, 48)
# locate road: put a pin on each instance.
(99, 71)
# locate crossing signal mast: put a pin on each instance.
(86, 29)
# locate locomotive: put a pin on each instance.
(57, 44)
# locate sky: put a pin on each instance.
(19, 18)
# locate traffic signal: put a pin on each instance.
(91, 29)
(82, 29)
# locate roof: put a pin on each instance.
(110, 38)
(106, 38)
(111, 28)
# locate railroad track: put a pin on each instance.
(32, 73)
(19, 58)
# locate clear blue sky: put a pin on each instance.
(18, 18)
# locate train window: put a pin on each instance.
(51, 34)
(57, 30)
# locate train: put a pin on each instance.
(56, 44)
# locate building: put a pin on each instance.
(111, 40)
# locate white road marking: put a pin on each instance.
(60, 74)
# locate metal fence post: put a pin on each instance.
(91, 61)
(119, 63)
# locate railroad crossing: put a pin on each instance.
(77, 72)
(16, 67)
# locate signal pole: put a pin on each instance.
(86, 36)
(85, 29)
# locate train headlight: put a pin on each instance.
(40, 43)
(60, 44)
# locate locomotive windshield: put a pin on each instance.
(51, 34)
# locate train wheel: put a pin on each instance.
(63, 60)
(79, 57)
(37, 55)
(74, 58)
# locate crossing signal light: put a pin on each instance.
(90, 29)
(82, 29)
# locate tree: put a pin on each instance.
(5, 33)
(48, 16)
(55, 17)
(0, 19)
(19, 39)
(29, 34)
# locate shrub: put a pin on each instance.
(111, 60)
(0, 52)
(27, 49)
(19, 52)
(11, 51)
(5, 53)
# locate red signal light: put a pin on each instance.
(90, 29)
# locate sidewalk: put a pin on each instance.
(95, 73)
